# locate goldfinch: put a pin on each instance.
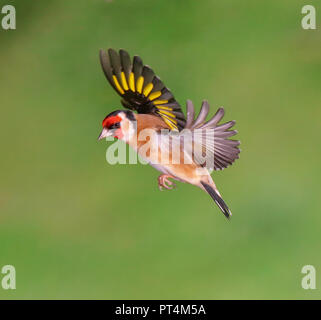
(184, 149)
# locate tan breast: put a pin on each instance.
(144, 147)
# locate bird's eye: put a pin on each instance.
(115, 125)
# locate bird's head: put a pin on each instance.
(120, 124)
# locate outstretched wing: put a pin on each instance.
(204, 143)
(140, 88)
(218, 146)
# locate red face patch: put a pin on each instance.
(109, 121)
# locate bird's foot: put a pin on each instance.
(163, 182)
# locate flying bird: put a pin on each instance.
(198, 146)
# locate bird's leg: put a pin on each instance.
(164, 182)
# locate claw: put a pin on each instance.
(163, 182)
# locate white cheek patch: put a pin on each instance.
(128, 127)
(132, 127)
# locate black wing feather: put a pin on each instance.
(140, 88)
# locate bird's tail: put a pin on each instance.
(218, 200)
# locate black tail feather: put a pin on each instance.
(218, 200)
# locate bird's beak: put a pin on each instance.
(105, 133)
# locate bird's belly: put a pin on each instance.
(159, 167)
(185, 172)
(182, 172)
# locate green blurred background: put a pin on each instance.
(76, 227)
